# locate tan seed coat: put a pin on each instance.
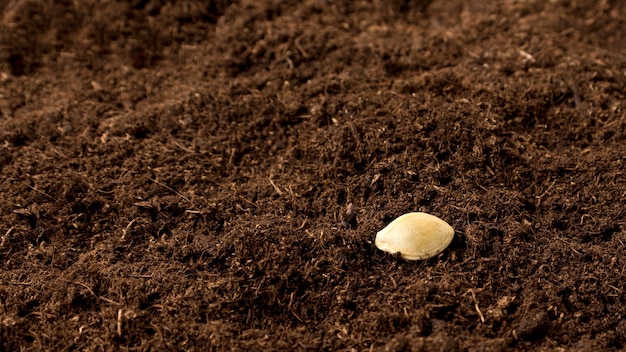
(416, 236)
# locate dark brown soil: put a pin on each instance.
(176, 175)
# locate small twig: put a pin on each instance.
(85, 286)
(140, 276)
(231, 157)
(480, 314)
(249, 202)
(393, 281)
(527, 56)
(539, 197)
(355, 134)
(126, 230)
(293, 311)
(179, 145)
(170, 188)
(302, 226)
(42, 192)
(569, 244)
(300, 48)
(119, 322)
(6, 235)
(20, 283)
(280, 193)
(293, 197)
(289, 62)
(93, 293)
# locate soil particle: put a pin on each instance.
(533, 326)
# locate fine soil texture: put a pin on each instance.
(211, 175)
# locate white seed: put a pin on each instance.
(416, 236)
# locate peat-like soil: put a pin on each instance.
(175, 175)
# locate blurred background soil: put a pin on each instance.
(174, 174)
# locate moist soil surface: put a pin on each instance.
(211, 175)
